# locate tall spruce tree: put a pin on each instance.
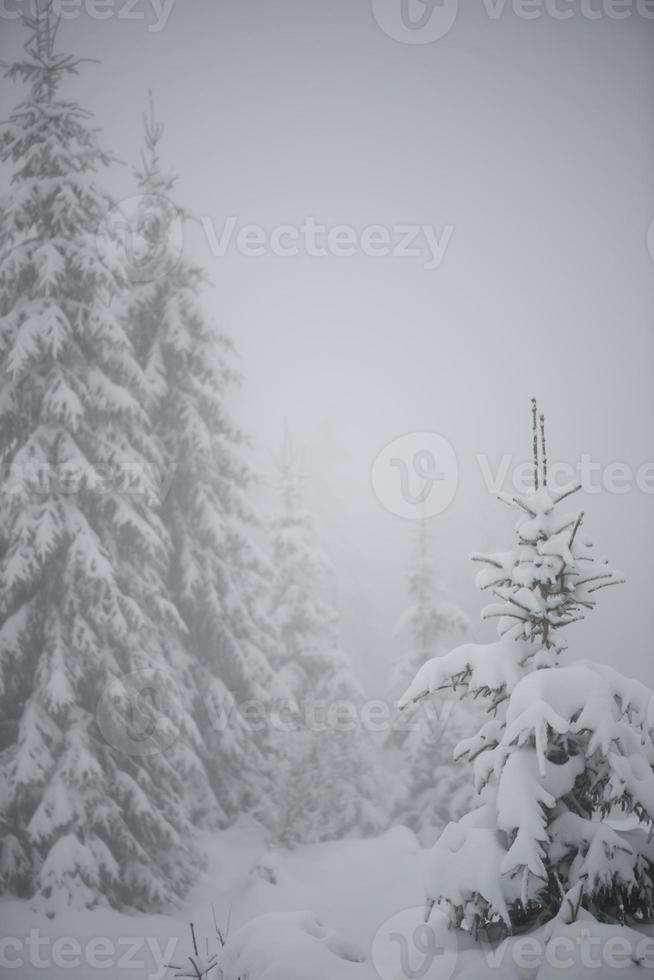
(90, 814)
(568, 749)
(432, 789)
(330, 783)
(216, 577)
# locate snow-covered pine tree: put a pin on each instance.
(567, 751)
(82, 598)
(432, 789)
(330, 775)
(216, 577)
(432, 619)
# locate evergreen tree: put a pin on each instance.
(567, 749)
(433, 790)
(330, 783)
(83, 604)
(216, 578)
(432, 618)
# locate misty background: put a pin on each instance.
(533, 140)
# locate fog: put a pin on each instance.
(531, 140)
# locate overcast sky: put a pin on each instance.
(525, 146)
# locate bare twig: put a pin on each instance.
(575, 529)
(222, 936)
(567, 493)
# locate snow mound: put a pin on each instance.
(583, 949)
(291, 946)
(586, 948)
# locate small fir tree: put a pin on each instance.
(567, 747)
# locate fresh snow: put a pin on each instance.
(350, 887)
(317, 921)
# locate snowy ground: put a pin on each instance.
(354, 888)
